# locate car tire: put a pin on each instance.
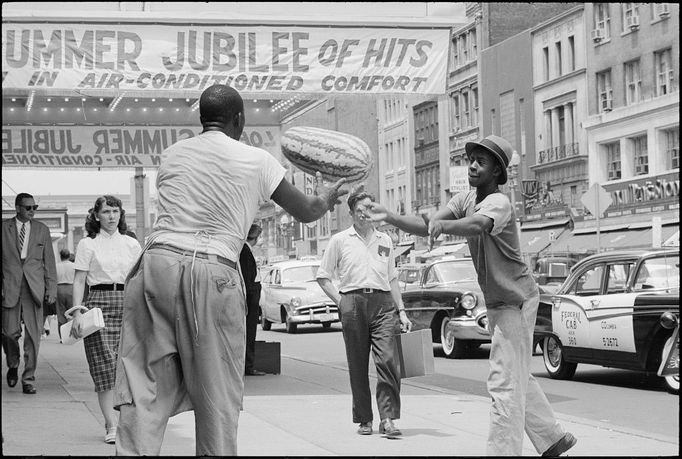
(291, 326)
(453, 348)
(265, 324)
(672, 383)
(553, 357)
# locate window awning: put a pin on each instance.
(402, 249)
(535, 241)
(638, 238)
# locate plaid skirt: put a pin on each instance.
(101, 348)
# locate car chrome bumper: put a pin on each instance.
(469, 328)
(316, 314)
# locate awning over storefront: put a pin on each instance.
(402, 248)
(611, 238)
(536, 237)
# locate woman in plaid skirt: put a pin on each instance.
(103, 259)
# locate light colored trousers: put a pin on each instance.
(182, 348)
(518, 400)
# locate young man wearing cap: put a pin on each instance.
(486, 218)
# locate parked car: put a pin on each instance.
(449, 302)
(550, 272)
(290, 295)
(616, 309)
(409, 275)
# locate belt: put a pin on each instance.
(189, 253)
(367, 290)
(114, 287)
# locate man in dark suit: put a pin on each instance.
(252, 282)
(29, 278)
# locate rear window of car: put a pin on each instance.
(300, 274)
(658, 273)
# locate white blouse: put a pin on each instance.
(108, 258)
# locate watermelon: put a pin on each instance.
(334, 154)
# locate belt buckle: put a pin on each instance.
(366, 290)
(116, 288)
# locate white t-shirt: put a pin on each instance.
(213, 184)
(107, 258)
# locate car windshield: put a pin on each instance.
(456, 271)
(659, 272)
(299, 274)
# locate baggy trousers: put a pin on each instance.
(182, 348)
(31, 313)
(369, 322)
(518, 400)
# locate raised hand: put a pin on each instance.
(330, 194)
(376, 212)
(435, 230)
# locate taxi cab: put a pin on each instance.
(616, 309)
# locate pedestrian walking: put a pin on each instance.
(486, 218)
(183, 336)
(250, 272)
(103, 260)
(66, 270)
(371, 311)
(29, 278)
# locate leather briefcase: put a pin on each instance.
(93, 321)
(415, 351)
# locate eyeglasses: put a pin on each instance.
(34, 207)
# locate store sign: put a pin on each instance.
(665, 187)
(252, 59)
(108, 146)
(459, 179)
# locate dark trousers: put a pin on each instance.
(252, 305)
(369, 322)
(30, 313)
(64, 302)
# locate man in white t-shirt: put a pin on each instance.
(183, 333)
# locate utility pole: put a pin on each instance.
(140, 211)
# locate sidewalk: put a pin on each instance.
(305, 411)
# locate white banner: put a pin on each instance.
(252, 59)
(108, 146)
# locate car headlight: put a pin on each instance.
(295, 302)
(468, 300)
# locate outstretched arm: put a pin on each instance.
(407, 223)
(307, 208)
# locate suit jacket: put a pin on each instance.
(39, 266)
(249, 268)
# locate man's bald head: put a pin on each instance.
(222, 108)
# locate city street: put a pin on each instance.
(305, 410)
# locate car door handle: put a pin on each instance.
(595, 303)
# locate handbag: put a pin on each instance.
(93, 321)
(415, 353)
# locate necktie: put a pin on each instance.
(22, 235)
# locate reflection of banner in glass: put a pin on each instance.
(258, 59)
(109, 146)
(529, 191)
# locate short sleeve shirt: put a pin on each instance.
(65, 272)
(108, 258)
(359, 263)
(503, 276)
(212, 184)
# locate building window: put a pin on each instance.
(641, 156)
(602, 19)
(613, 160)
(664, 72)
(660, 11)
(474, 103)
(604, 91)
(545, 64)
(466, 122)
(557, 49)
(630, 16)
(672, 147)
(455, 53)
(472, 44)
(562, 125)
(493, 122)
(455, 111)
(571, 53)
(633, 83)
